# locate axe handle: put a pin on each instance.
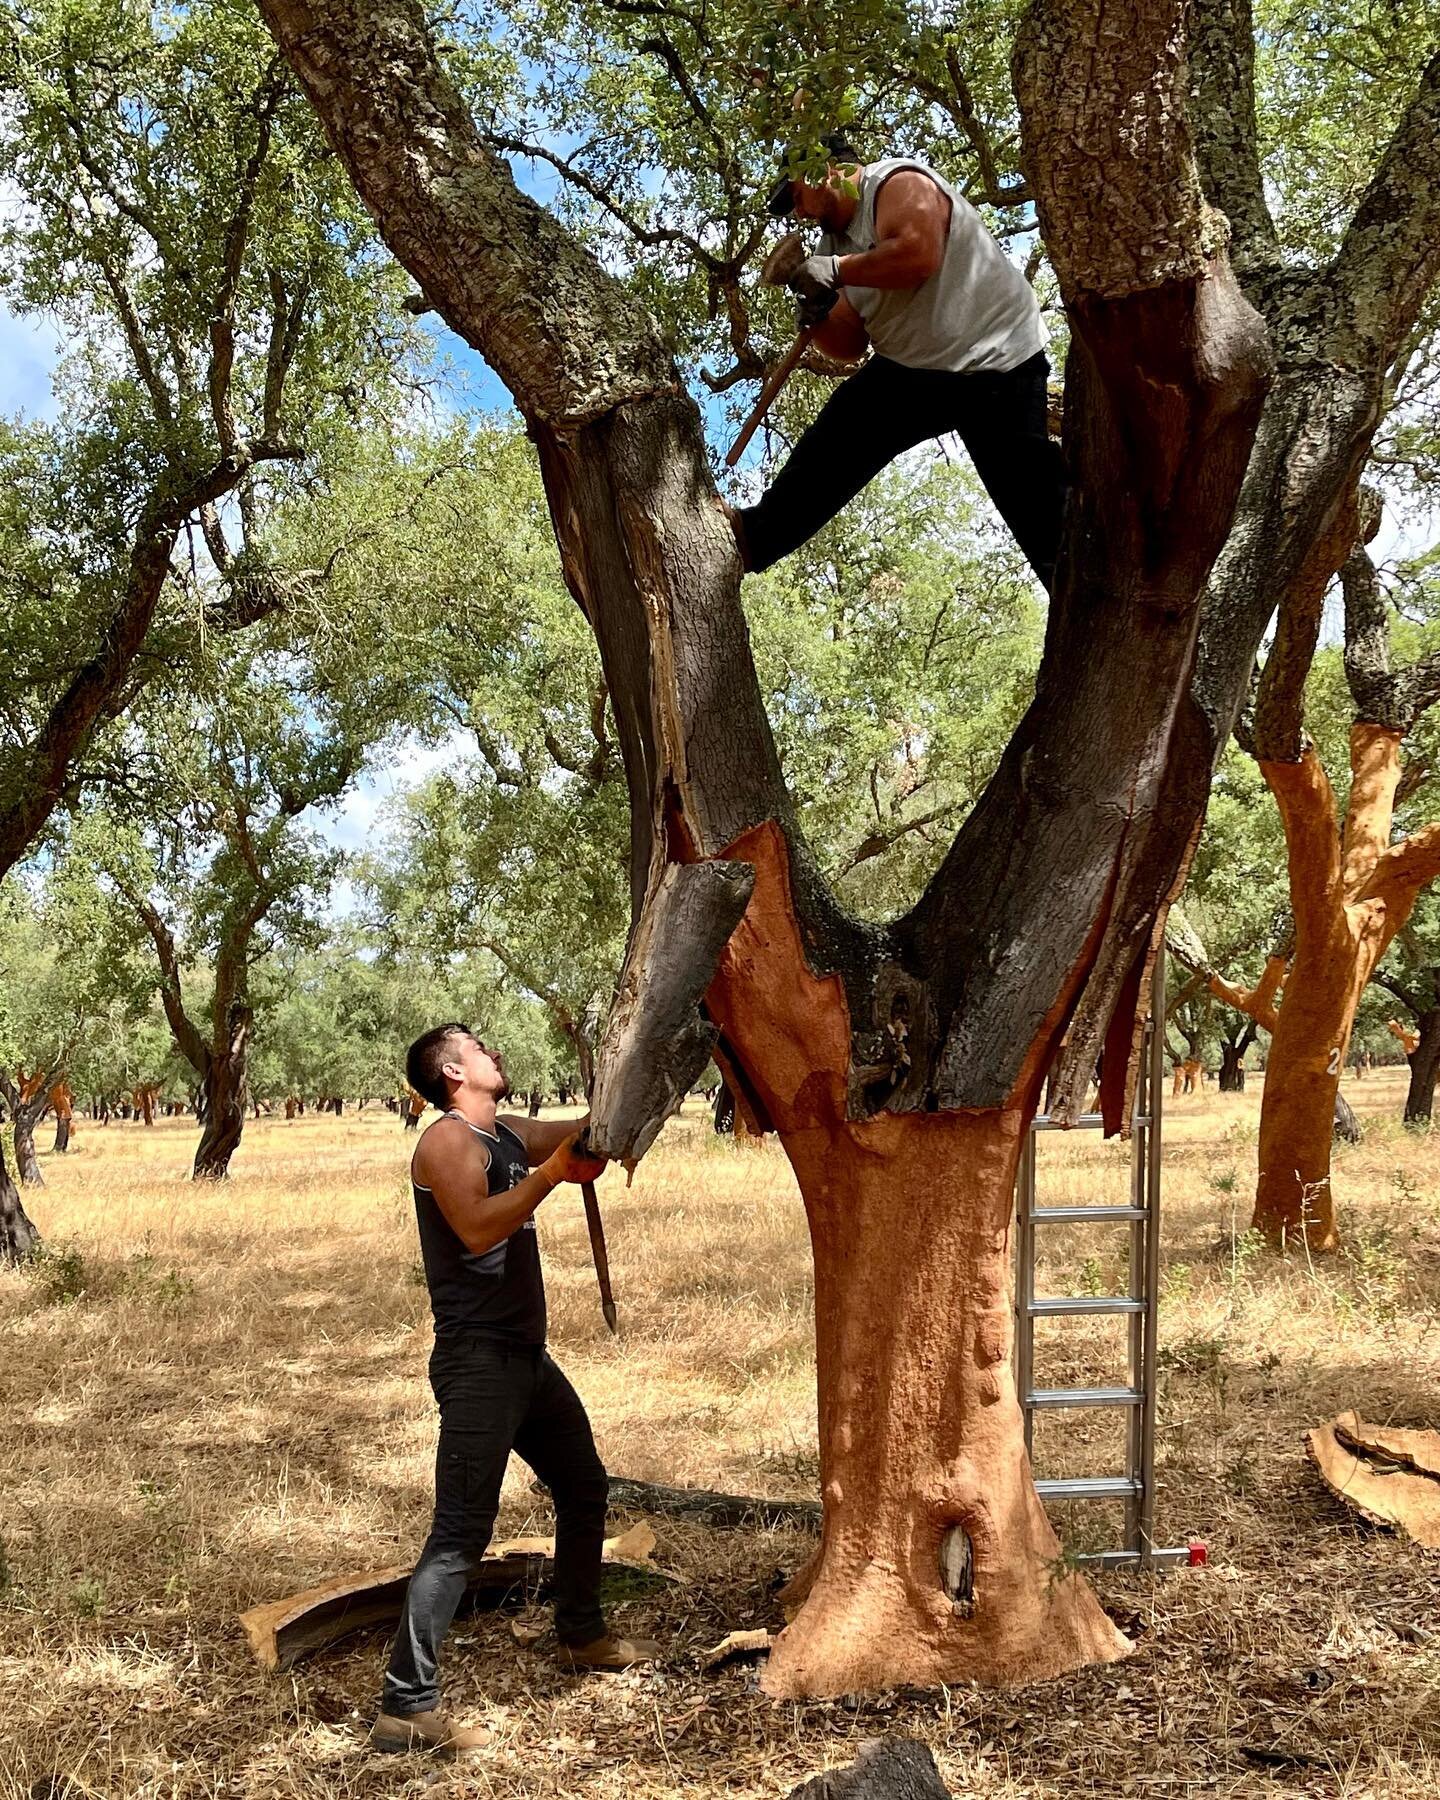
(598, 1251)
(779, 376)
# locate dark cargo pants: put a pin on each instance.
(886, 408)
(495, 1398)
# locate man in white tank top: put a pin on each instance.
(907, 269)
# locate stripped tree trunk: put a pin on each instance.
(1337, 330)
(27, 1099)
(1349, 899)
(900, 1065)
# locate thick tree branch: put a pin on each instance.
(1222, 117)
(564, 336)
(1389, 258)
(91, 695)
(232, 261)
(188, 1039)
(1312, 832)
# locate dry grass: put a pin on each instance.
(211, 1398)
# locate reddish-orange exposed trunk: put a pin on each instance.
(920, 1425)
(1257, 1003)
(1349, 900)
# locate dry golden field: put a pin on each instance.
(215, 1398)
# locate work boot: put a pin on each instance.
(433, 1731)
(610, 1654)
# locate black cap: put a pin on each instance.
(780, 201)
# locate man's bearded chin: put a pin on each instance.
(506, 1091)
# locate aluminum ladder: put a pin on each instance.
(1139, 1305)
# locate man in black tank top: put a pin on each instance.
(477, 1180)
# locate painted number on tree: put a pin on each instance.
(1333, 1066)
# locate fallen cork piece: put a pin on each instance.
(280, 1632)
(893, 1768)
(735, 1646)
(1381, 1485)
(1419, 1449)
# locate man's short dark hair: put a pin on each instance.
(780, 201)
(425, 1060)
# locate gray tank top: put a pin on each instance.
(977, 311)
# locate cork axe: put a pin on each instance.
(778, 270)
(597, 1249)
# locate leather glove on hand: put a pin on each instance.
(817, 283)
(568, 1164)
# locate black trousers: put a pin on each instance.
(886, 408)
(495, 1398)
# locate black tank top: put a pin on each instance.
(500, 1294)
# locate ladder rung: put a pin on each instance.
(1086, 1122)
(1075, 1215)
(1078, 1307)
(1091, 1487)
(1121, 1559)
(1100, 1396)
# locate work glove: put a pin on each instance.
(817, 284)
(569, 1164)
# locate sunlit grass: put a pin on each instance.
(213, 1396)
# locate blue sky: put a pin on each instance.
(29, 348)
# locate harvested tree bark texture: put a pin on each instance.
(899, 1065)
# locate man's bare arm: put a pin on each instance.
(542, 1137)
(912, 222)
(842, 334)
(454, 1164)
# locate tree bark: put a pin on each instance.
(18, 1237)
(1232, 1059)
(886, 1769)
(225, 1095)
(899, 1065)
(1424, 1063)
(62, 1104)
(1349, 900)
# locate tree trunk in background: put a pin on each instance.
(25, 1119)
(1349, 899)
(1346, 1126)
(18, 1237)
(1424, 1068)
(225, 1095)
(62, 1103)
(723, 1117)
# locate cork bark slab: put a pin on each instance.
(280, 1632)
(1420, 1450)
(1398, 1497)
